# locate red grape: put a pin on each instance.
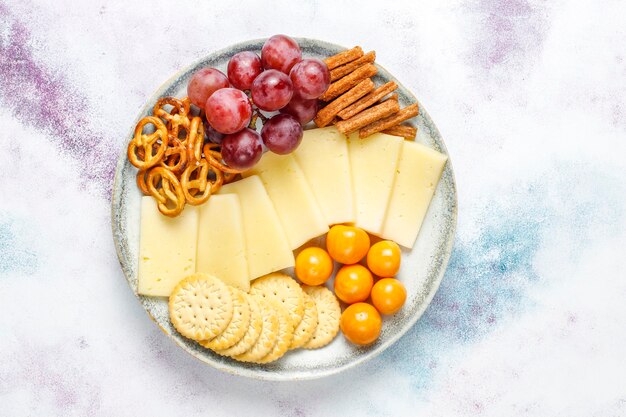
(243, 149)
(310, 78)
(228, 110)
(204, 83)
(280, 52)
(271, 90)
(302, 109)
(282, 134)
(243, 68)
(211, 134)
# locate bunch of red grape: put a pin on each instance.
(280, 80)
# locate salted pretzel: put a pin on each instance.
(147, 149)
(177, 117)
(195, 140)
(163, 185)
(141, 181)
(215, 159)
(175, 158)
(198, 179)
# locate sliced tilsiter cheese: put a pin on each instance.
(323, 157)
(419, 170)
(292, 197)
(267, 248)
(373, 162)
(167, 248)
(221, 241)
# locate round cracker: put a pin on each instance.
(200, 307)
(328, 314)
(269, 334)
(252, 333)
(285, 290)
(285, 335)
(304, 331)
(237, 326)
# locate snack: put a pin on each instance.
(159, 268)
(238, 325)
(283, 289)
(344, 57)
(252, 333)
(390, 121)
(147, 149)
(418, 171)
(347, 82)
(328, 113)
(287, 188)
(361, 323)
(201, 307)
(373, 163)
(328, 314)
(163, 185)
(267, 247)
(407, 132)
(314, 266)
(368, 100)
(221, 241)
(368, 116)
(383, 258)
(347, 244)
(269, 334)
(306, 328)
(284, 336)
(388, 295)
(346, 69)
(353, 283)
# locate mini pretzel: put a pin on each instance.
(175, 158)
(215, 159)
(197, 178)
(141, 182)
(195, 140)
(175, 118)
(170, 197)
(142, 151)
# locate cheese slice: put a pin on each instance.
(419, 170)
(167, 248)
(323, 157)
(373, 162)
(297, 208)
(221, 243)
(267, 248)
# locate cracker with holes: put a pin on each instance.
(237, 326)
(268, 336)
(285, 335)
(328, 314)
(201, 307)
(304, 331)
(252, 332)
(285, 290)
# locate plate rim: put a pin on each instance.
(116, 195)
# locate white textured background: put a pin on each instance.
(530, 98)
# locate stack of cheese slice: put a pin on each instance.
(382, 184)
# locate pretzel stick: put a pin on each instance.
(407, 132)
(368, 100)
(394, 96)
(387, 122)
(368, 116)
(349, 81)
(346, 69)
(344, 57)
(326, 115)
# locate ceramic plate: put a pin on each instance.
(421, 271)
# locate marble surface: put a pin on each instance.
(530, 318)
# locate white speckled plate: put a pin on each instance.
(422, 268)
